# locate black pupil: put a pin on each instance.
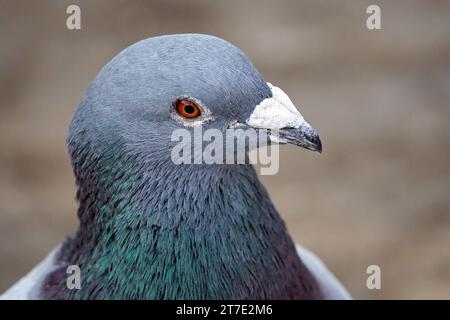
(189, 109)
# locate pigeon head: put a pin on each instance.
(185, 81)
(150, 228)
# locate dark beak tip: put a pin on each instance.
(319, 145)
(315, 143)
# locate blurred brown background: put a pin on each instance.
(380, 192)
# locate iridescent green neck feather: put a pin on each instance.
(177, 232)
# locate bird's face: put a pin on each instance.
(167, 83)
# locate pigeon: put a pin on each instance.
(153, 229)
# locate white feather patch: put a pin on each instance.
(276, 112)
(330, 286)
(29, 286)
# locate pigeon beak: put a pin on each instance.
(281, 118)
(305, 137)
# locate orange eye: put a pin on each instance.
(187, 108)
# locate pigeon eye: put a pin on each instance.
(187, 108)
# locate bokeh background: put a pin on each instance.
(380, 192)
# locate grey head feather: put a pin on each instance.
(133, 93)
